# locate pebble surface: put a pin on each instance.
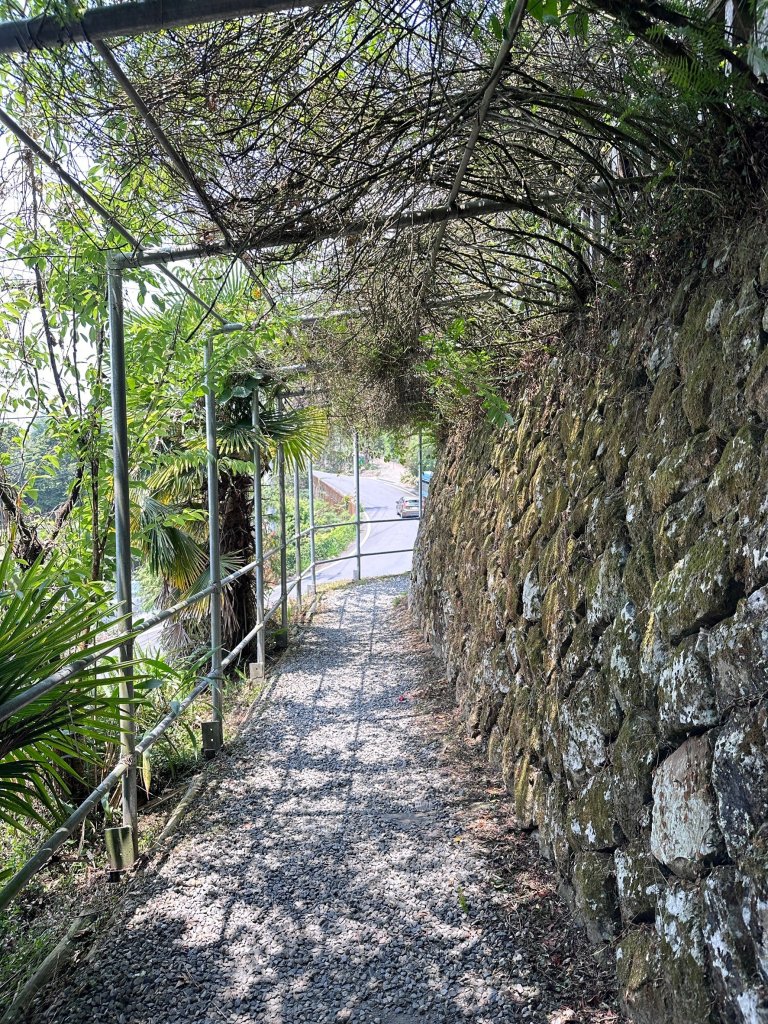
(323, 877)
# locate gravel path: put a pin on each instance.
(324, 877)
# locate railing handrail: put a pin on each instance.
(60, 835)
(27, 697)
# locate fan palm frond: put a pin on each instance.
(45, 627)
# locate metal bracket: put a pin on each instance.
(213, 738)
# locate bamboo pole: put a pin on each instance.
(356, 457)
(258, 529)
(283, 637)
(131, 19)
(297, 529)
(311, 486)
(213, 544)
(123, 546)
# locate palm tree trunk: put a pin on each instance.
(236, 526)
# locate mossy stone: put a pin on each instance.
(735, 473)
(686, 693)
(679, 471)
(528, 792)
(589, 719)
(698, 590)
(640, 573)
(595, 894)
(682, 955)
(679, 527)
(635, 755)
(604, 592)
(638, 969)
(580, 651)
(666, 383)
(697, 394)
(622, 663)
(607, 521)
(591, 821)
(640, 882)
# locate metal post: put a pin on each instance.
(283, 635)
(123, 545)
(212, 731)
(258, 531)
(297, 529)
(311, 483)
(356, 455)
(421, 475)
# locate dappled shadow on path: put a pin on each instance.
(325, 877)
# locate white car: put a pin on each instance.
(407, 508)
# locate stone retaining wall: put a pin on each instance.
(595, 577)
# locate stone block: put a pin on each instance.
(623, 661)
(531, 597)
(639, 881)
(580, 650)
(698, 590)
(595, 895)
(735, 473)
(738, 652)
(592, 824)
(588, 718)
(682, 954)
(553, 839)
(635, 754)
(606, 522)
(756, 390)
(679, 527)
(605, 594)
(686, 466)
(640, 573)
(699, 382)
(735, 930)
(740, 777)
(528, 792)
(686, 693)
(685, 836)
(667, 382)
(642, 993)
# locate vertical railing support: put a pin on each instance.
(297, 529)
(123, 547)
(258, 532)
(283, 635)
(356, 455)
(311, 490)
(212, 731)
(421, 475)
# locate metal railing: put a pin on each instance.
(132, 748)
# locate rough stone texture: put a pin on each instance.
(683, 959)
(641, 986)
(685, 835)
(640, 882)
(740, 777)
(627, 514)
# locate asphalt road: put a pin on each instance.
(378, 500)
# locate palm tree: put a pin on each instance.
(170, 487)
(178, 484)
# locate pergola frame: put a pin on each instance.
(132, 19)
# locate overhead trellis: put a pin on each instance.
(398, 155)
